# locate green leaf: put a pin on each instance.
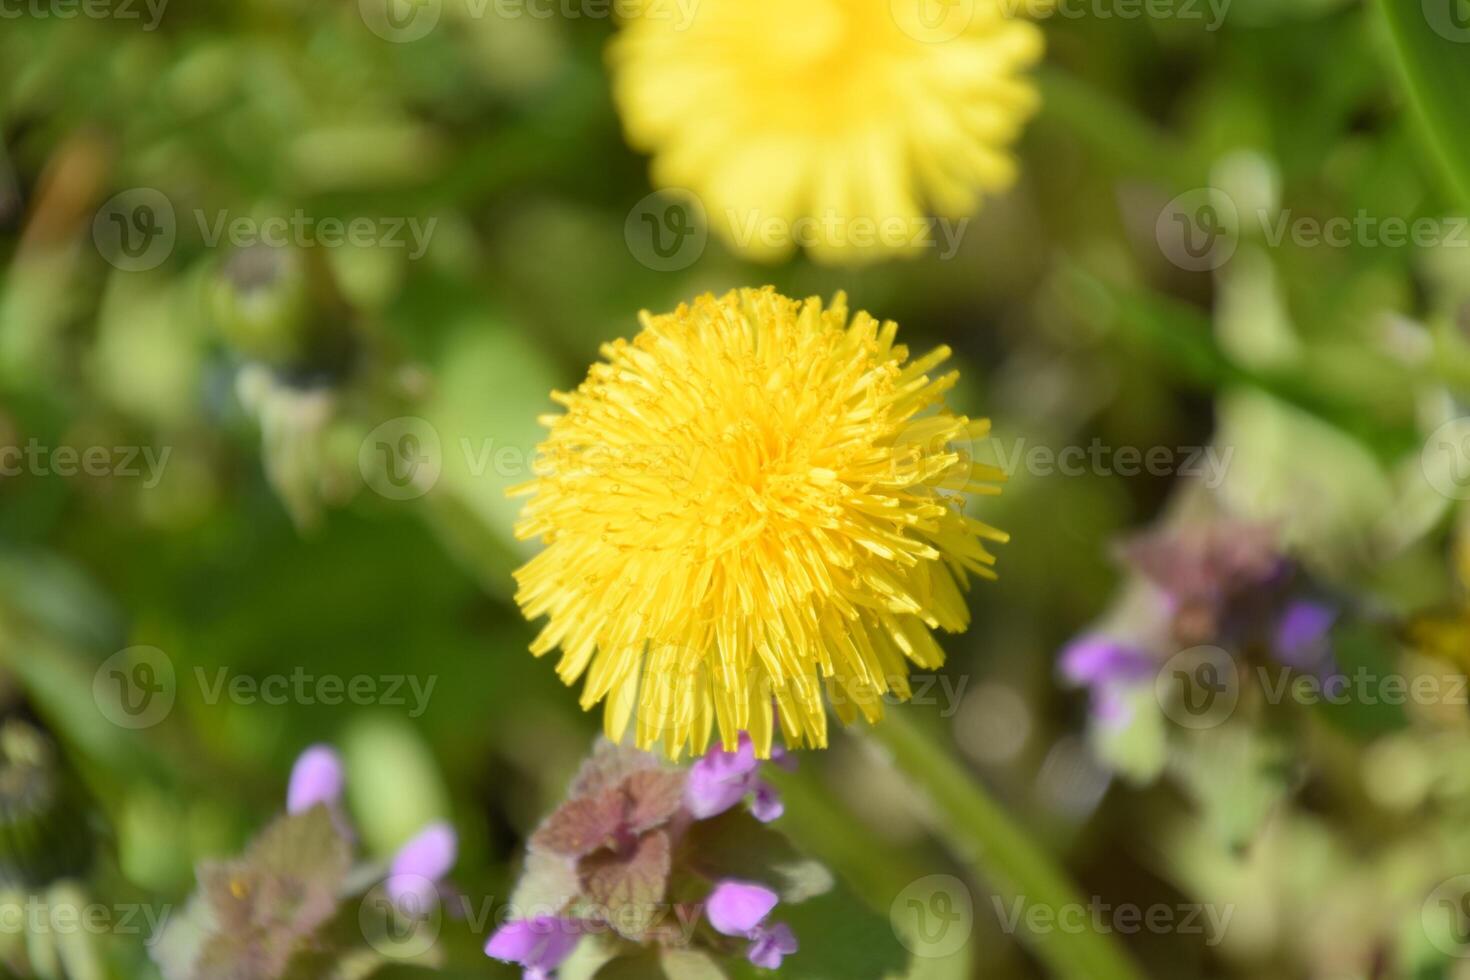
(671, 964)
(306, 846)
(629, 887)
(393, 781)
(1137, 749)
(841, 939)
(736, 845)
(548, 883)
(1431, 39)
(183, 940)
(1238, 776)
(1363, 651)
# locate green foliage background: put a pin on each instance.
(1323, 369)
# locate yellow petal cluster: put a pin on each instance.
(754, 499)
(836, 124)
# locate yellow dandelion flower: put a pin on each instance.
(834, 124)
(753, 499)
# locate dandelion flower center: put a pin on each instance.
(752, 500)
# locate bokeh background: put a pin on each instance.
(265, 543)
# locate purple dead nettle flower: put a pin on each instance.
(316, 778)
(720, 780)
(413, 884)
(740, 909)
(418, 868)
(1300, 640)
(539, 945)
(633, 834)
(1214, 577)
(1110, 670)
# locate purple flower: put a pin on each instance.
(1110, 670)
(767, 805)
(413, 880)
(735, 908)
(540, 945)
(316, 778)
(720, 780)
(1094, 660)
(1301, 635)
(770, 946)
(1214, 576)
(740, 909)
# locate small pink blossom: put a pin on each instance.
(720, 780)
(539, 945)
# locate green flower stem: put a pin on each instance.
(1431, 45)
(979, 832)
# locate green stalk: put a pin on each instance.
(978, 831)
(1431, 45)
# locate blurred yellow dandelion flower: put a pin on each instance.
(749, 500)
(834, 124)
